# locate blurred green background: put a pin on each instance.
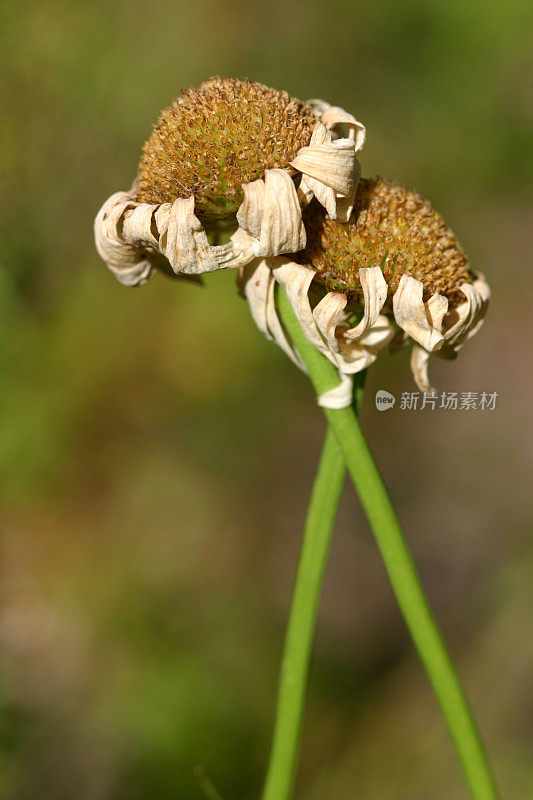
(156, 453)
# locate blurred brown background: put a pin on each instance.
(156, 453)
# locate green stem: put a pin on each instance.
(400, 567)
(320, 521)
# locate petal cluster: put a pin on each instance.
(135, 237)
(324, 318)
(390, 258)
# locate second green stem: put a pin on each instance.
(400, 567)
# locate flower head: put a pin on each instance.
(232, 153)
(394, 228)
(393, 273)
(216, 138)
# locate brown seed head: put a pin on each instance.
(213, 139)
(391, 227)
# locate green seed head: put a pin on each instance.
(213, 139)
(391, 227)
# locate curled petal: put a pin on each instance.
(257, 283)
(271, 214)
(341, 396)
(463, 316)
(250, 213)
(254, 281)
(127, 261)
(483, 289)
(296, 281)
(277, 330)
(334, 115)
(311, 187)
(357, 358)
(464, 321)
(332, 163)
(358, 354)
(410, 314)
(134, 238)
(329, 171)
(338, 206)
(324, 326)
(237, 252)
(184, 242)
(138, 226)
(436, 308)
(327, 316)
(377, 335)
(282, 229)
(375, 290)
(345, 203)
(419, 368)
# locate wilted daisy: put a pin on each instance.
(393, 274)
(232, 155)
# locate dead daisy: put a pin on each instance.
(239, 157)
(232, 155)
(394, 273)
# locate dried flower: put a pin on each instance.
(235, 154)
(394, 261)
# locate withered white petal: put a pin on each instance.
(254, 281)
(419, 368)
(133, 237)
(237, 252)
(375, 290)
(457, 325)
(282, 229)
(327, 315)
(324, 326)
(378, 335)
(324, 194)
(296, 281)
(184, 241)
(130, 266)
(277, 331)
(464, 321)
(334, 115)
(410, 314)
(341, 396)
(271, 213)
(250, 213)
(330, 171)
(332, 163)
(345, 203)
(358, 354)
(137, 226)
(482, 288)
(436, 308)
(337, 205)
(356, 358)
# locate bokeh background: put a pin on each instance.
(156, 453)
